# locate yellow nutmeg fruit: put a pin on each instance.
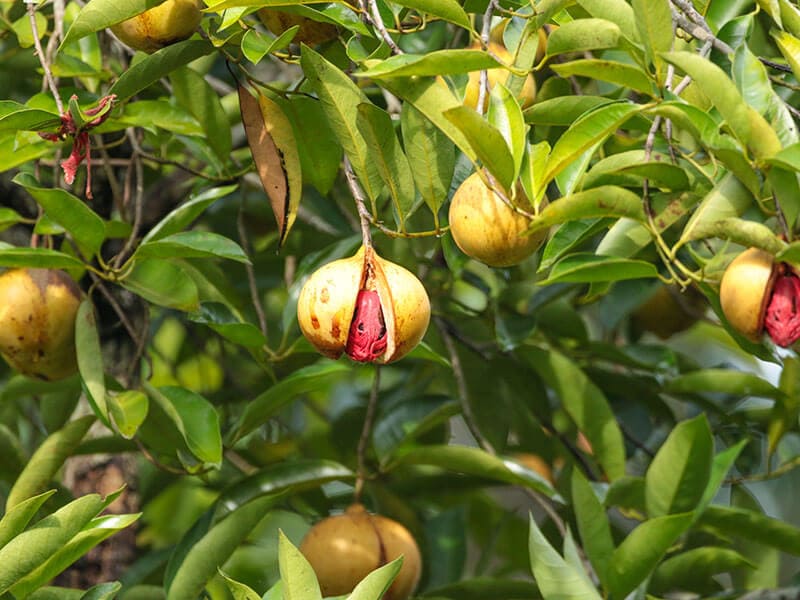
(311, 33)
(344, 549)
(37, 322)
(489, 230)
(160, 26)
(668, 311)
(745, 291)
(472, 91)
(370, 308)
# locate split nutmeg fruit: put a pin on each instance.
(757, 293)
(37, 322)
(160, 26)
(344, 549)
(370, 308)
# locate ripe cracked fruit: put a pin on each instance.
(37, 322)
(756, 293)
(160, 26)
(344, 549)
(369, 308)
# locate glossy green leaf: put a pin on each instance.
(618, 73)
(72, 213)
(487, 143)
(554, 576)
(154, 114)
(33, 547)
(586, 267)
(222, 320)
(157, 65)
(676, 478)
(563, 110)
(789, 46)
(374, 585)
(181, 217)
(729, 198)
(631, 167)
(786, 409)
(405, 421)
(90, 359)
(340, 98)
(304, 380)
(568, 236)
(640, 552)
(431, 156)
(100, 14)
(583, 35)
(193, 244)
(387, 155)
(753, 526)
(15, 117)
(162, 282)
(766, 560)
(726, 381)
(45, 462)
(743, 120)
(103, 591)
(720, 466)
(473, 461)
(299, 580)
(696, 567)
(240, 591)
(584, 133)
(128, 410)
(16, 519)
(255, 45)
(616, 11)
(505, 115)
(195, 418)
(603, 201)
(654, 22)
(439, 62)
(593, 525)
(585, 403)
(449, 10)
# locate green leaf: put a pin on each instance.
(616, 11)
(583, 35)
(729, 198)
(593, 525)
(193, 244)
(746, 124)
(473, 461)
(449, 10)
(726, 381)
(631, 167)
(45, 462)
(376, 126)
(696, 567)
(720, 466)
(221, 319)
(266, 404)
(505, 115)
(162, 282)
(430, 154)
(213, 548)
(18, 117)
(129, 410)
(406, 421)
(33, 547)
(585, 403)
(677, 477)
(157, 65)
(752, 526)
(90, 359)
(486, 142)
(431, 64)
(195, 418)
(641, 551)
(766, 567)
(563, 110)
(584, 133)
(190, 90)
(72, 213)
(37, 258)
(554, 576)
(297, 575)
(654, 22)
(786, 409)
(374, 585)
(181, 217)
(788, 45)
(16, 519)
(603, 201)
(160, 114)
(340, 98)
(620, 74)
(586, 267)
(103, 591)
(240, 591)
(100, 14)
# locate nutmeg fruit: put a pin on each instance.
(310, 32)
(160, 26)
(370, 308)
(344, 549)
(499, 74)
(489, 230)
(758, 293)
(37, 322)
(668, 310)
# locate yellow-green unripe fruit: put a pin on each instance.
(160, 26)
(344, 549)
(37, 322)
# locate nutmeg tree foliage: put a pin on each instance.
(580, 420)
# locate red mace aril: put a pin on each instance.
(369, 308)
(756, 293)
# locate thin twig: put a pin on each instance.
(138, 201)
(377, 22)
(366, 433)
(361, 206)
(48, 75)
(483, 82)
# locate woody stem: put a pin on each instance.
(358, 195)
(366, 432)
